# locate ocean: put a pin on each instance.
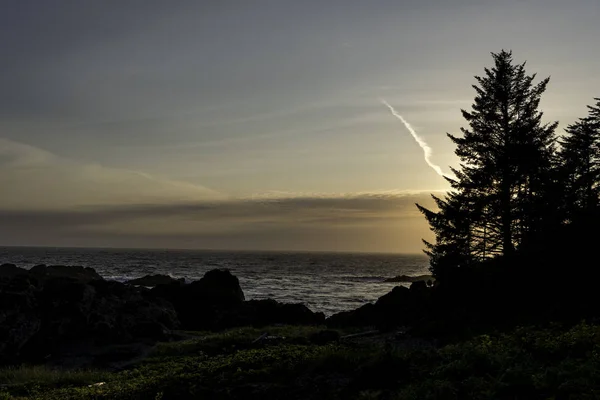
(327, 282)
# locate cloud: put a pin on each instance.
(32, 178)
(331, 210)
(15, 155)
(51, 201)
(342, 222)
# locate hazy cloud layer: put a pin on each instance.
(52, 201)
(32, 178)
(367, 222)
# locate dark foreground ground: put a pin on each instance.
(555, 362)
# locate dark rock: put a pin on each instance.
(399, 307)
(213, 302)
(324, 337)
(269, 312)
(216, 302)
(419, 286)
(149, 329)
(398, 297)
(261, 312)
(131, 314)
(409, 279)
(154, 280)
(362, 316)
(219, 285)
(57, 312)
(11, 270)
(19, 319)
(299, 314)
(56, 315)
(78, 273)
(401, 297)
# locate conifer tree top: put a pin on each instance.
(504, 182)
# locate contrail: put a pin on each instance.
(426, 149)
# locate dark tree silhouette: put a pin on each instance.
(594, 111)
(501, 191)
(580, 166)
(451, 225)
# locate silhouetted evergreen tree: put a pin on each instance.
(503, 187)
(451, 225)
(580, 162)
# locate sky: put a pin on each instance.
(256, 125)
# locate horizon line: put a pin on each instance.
(210, 249)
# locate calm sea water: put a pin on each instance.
(328, 282)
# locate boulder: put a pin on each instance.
(213, 302)
(155, 280)
(219, 286)
(11, 270)
(78, 273)
(398, 297)
(19, 318)
(399, 307)
(299, 314)
(419, 287)
(216, 302)
(130, 314)
(269, 312)
(362, 316)
(61, 315)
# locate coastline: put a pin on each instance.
(325, 282)
(142, 345)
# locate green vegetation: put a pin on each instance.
(553, 362)
(231, 340)
(30, 380)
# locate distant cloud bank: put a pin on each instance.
(52, 201)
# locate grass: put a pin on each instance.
(549, 363)
(231, 340)
(31, 380)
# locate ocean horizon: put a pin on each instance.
(206, 249)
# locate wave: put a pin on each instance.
(126, 278)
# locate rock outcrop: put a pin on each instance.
(8, 271)
(20, 319)
(50, 312)
(47, 312)
(269, 311)
(401, 306)
(77, 273)
(216, 302)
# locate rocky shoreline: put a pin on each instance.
(60, 320)
(70, 315)
(51, 313)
